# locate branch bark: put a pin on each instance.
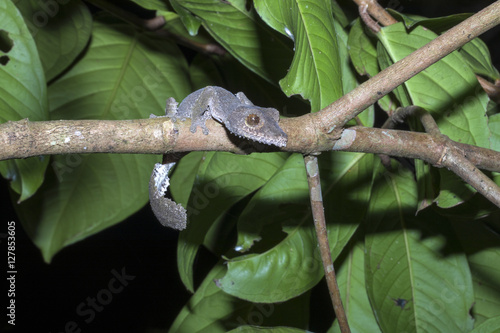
(313, 179)
(332, 119)
(317, 132)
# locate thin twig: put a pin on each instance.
(370, 23)
(493, 90)
(376, 11)
(313, 179)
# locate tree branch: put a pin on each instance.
(306, 134)
(376, 11)
(332, 119)
(313, 179)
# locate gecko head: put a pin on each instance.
(258, 124)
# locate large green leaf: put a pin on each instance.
(351, 281)
(23, 94)
(490, 326)
(363, 54)
(362, 51)
(212, 310)
(223, 179)
(293, 265)
(241, 32)
(315, 72)
(183, 177)
(124, 74)
(436, 24)
(61, 31)
(485, 267)
(448, 89)
(478, 56)
(412, 285)
(481, 243)
(249, 329)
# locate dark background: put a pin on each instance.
(47, 295)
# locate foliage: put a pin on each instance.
(398, 270)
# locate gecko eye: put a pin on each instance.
(252, 120)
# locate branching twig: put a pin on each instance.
(313, 179)
(452, 158)
(411, 145)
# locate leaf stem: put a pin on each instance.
(313, 179)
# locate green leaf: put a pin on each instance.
(490, 326)
(223, 179)
(183, 176)
(207, 307)
(448, 89)
(363, 54)
(249, 329)
(412, 286)
(61, 31)
(23, 94)
(436, 24)
(475, 52)
(259, 91)
(362, 51)
(124, 74)
(153, 4)
(453, 190)
(485, 267)
(212, 310)
(191, 23)
(315, 72)
(292, 265)
(494, 125)
(400, 93)
(26, 175)
(243, 35)
(480, 242)
(83, 195)
(477, 55)
(287, 189)
(351, 281)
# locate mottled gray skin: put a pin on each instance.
(169, 213)
(236, 113)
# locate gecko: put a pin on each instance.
(236, 112)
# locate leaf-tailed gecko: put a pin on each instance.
(236, 112)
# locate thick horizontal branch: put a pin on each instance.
(22, 139)
(412, 145)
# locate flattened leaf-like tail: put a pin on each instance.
(169, 213)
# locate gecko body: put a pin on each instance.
(236, 112)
